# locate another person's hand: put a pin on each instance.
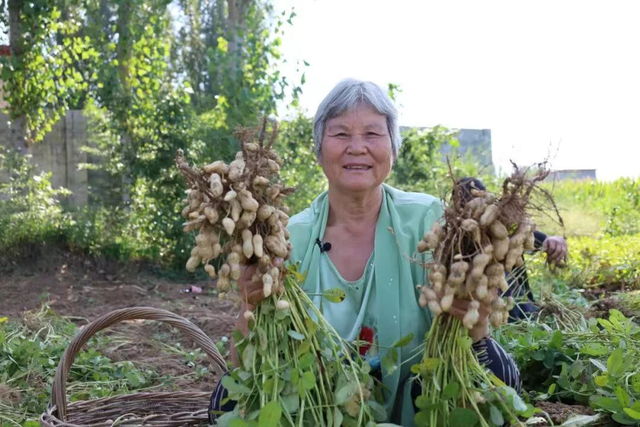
(556, 249)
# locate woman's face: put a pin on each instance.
(356, 150)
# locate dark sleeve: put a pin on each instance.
(540, 238)
(498, 361)
(215, 404)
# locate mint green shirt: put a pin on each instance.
(392, 306)
(348, 316)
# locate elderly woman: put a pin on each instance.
(344, 240)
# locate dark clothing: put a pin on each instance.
(489, 353)
(519, 287)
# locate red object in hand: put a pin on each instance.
(366, 334)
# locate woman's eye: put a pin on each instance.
(341, 135)
(373, 135)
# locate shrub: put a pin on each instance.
(30, 211)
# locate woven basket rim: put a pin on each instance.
(56, 414)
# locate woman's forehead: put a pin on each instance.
(363, 115)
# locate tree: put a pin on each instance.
(49, 66)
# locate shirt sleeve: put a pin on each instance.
(493, 357)
(540, 237)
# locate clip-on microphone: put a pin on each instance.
(324, 247)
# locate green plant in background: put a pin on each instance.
(30, 211)
(611, 263)
(594, 363)
(300, 170)
(50, 66)
(592, 208)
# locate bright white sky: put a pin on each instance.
(559, 77)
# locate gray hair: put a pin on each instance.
(348, 95)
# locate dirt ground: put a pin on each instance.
(84, 290)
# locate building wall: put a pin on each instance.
(60, 153)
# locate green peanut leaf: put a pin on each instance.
(334, 295)
(615, 362)
(308, 380)
(496, 416)
(270, 415)
(623, 396)
(404, 341)
(451, 390)
(463, 417)
(296, 335)
(633, 414)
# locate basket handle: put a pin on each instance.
(59, 389)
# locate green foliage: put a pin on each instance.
(301, 169)
(594, 364)
(607, 262)
(30, 210)
(592, 208)
(50, 67)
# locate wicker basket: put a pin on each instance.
(149, 409)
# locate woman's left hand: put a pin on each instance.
(481, 330)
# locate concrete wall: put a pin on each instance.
(473, 142)
(60, 154)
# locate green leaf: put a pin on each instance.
(291, 403)
(296, 335)
(308, 380)
(404, 341)
(304, 347)
(248, 357)
(633, 414)
(270, 415)
(233, 387)
(465, 342)
(422, 402)
(463, 417)
(606, 403)
(556, 340)
(334, 295)
(337, 418)
(306, 361)
(496, 416)
(451, 391)
(516, 400)
(624, 419)
(623, 396)
(594, 349)
(615, 362)
(378, 411)
(421, 419)
(635, 382)
(346, 392)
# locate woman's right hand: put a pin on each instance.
(251, 291)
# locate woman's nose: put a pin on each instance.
(357, 145)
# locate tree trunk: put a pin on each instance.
(18, 122)
(123, 54)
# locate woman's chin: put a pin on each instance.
(359, 185)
